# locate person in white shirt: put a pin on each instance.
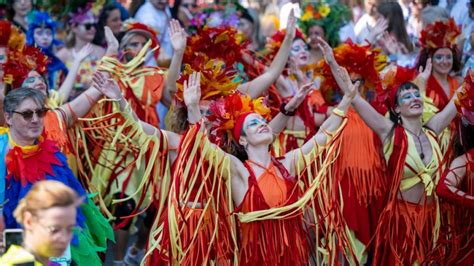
(367, 21)
(157, 14)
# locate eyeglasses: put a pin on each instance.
(28, 115)
(88, 26)
(54, 229)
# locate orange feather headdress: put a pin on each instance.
(21, 62)
(440, 35)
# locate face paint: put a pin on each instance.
(439, 58)
(297, 48)
(255, 122)
(409, 96)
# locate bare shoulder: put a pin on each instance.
(63, 54)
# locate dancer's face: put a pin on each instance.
(134, 46)
(442, 61)
(299, 52)
(22, 7)
(43, 37)
(256, 131)
(409, 103)
(314, 32)
(114, 21)
(246, 28)
(35, 81)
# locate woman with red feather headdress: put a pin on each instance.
(439, 49)
(409, 226)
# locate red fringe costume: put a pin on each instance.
(459, 228)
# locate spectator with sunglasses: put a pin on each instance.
(29, 157)
(82, 31)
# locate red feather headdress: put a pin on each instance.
(226, 112)
(362, 60)
(440, 35)
(21, 62)
(11, 36)
(391, 80)
(213, 52)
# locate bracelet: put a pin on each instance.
(339, 112)
(286, 112)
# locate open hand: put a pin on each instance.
(83, 53)
(192, 90)
(291, 26)
(177, 36)
(299, 97)
(106, 85)
(112, 42)
(327, 51)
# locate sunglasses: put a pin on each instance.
(88, 26)
(28, 115)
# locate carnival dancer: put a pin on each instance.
(267, 215)
(29, 157)
(408, 229)
(143, 87)
(456, 187)
(41, 33)
(439, 47)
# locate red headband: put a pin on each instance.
(239, 123)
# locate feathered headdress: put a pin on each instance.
(362, 60)
(274, 43)
(392, 79)
(11, 36)
(440, 35)
(133, 26)
(465, 100)
(38, 19)
(216, 79)
(329, 17)
(213, 52)
(215, 43)
(21, 62)
(83, 10)
(228, 114)
(213, 16)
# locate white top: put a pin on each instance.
(159, 20)
(285, 13)
(362, 28)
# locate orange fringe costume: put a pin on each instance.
(200, 226)
(351, 201)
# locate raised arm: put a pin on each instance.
(259, 85)
(279, 122)
(178, 42)
(68, 84)
(442, 119)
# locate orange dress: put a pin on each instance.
(272, 242)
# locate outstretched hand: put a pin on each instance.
(177, 36)
(112, 42)
(327, 51)
(291, 26)
(83, 53)
(299, 97)
(192, 90)
(107, 86)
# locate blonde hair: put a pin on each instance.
(44, 195)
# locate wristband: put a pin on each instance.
(286, 112)
(339, 112)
